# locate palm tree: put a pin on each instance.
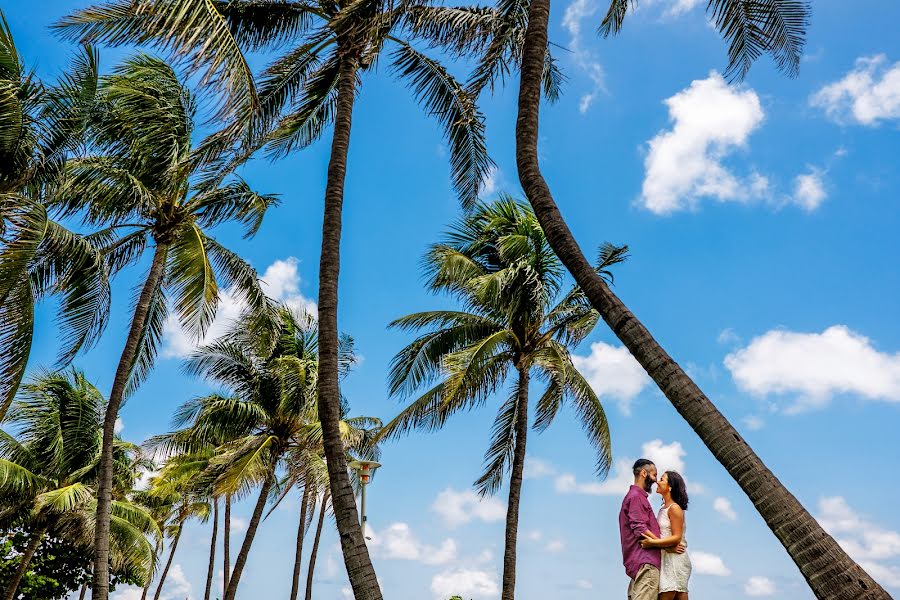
(48, 473)
(138, 181)
(312, 85)
(498, 263)
(40, 124)
(752, 28)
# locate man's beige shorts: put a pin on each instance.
(646, 585)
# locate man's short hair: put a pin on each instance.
(641, 464)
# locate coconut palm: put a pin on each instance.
(40, 125)
(752, 28)
(137, 182)
(498, 263)
(48, 473)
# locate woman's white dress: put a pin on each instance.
(676, 568)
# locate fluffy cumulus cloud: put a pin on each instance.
(816, 366)
(458, 507)
(280, 281)
(710, 120)
(705, 563)
(868, 94)
(397, 541)
(874, 547)
(757, 586)
(753, 422)
(468, 583)
(536, 468)
(177, 588)
(491, 183)
(809, 190)
(723, 507)
(613, 373)
(575, 14)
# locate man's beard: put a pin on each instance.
(648, 483)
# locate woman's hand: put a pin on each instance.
(648, 541)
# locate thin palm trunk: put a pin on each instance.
(515, 488)
(356, 554)
(212, 550)
(83, 591)
(226, 542)
(235, 578)
(165, 572)
(829, 571)
(100, 587)
(144, 593)
(33, 542)
(315, 548)
(301, 533)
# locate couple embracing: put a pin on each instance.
(654, 549)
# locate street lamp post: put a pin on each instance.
(366, 471)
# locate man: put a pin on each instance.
(636, 519)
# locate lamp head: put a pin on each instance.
(365, 469)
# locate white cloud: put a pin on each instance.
(705, 563)
(674, 8)
(584, 584)
(753, 423)
(809, 190)
(728, 336)
(281, 282)
(536, 468)
(177, 587)
(468, 583)
(613, 372)
(868, 94)
(458, 507)
(126, 593)
(238, 524)
(816, 366)
(667, 457)
(347, 592)
(534, 535)
(710, 120)
(576, 12)
(759, 586)
(723, 507)
(119, 426)
(398, 542)
(491, 183)
(555, 546)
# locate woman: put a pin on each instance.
(676, 568)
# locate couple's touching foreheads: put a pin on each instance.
(654, 548)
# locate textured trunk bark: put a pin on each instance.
(829, 571)
(235, 578)
(100, 587)
(356, 554)
(315, 548)
(301, 533)
(515, 489)
(226, 543)
(165, 572)
(212, 551)
(33, 542)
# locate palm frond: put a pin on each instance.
(503, 444)
(192, 282)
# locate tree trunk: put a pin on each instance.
(212, 550)
(829, 571)
(515, 488)
(301, 533)
(33, 543)
(315, 548)
(356, 554)
(100, 587)
(226, 540)
(144, 593)
(235, 578)
(83, 591)
(165, 572)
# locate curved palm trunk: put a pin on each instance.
(515, 488)
(226, 542)
(100, 587)
(165, 572)
(235, 579)
(356, 554)
(144, 593)
(212, 551)
(36, 538)
(301, 533)
(315, 548)
(829, 571)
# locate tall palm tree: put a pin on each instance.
(752, 28)
(498, 263)
(40, 125)
(49, 470)
(314, 84)
(138, 182)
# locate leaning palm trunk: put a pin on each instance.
(235, 579)
(100, 587)
(165, 572)
(315, 548)
(83, 591)
(226, 542)
(829, 571)
(515, 488)
(212, 550)
(301, 533)
(33, 543)
(356, 554)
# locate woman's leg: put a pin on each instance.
(681, 596)
(667, 595)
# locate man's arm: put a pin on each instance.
(637, 517)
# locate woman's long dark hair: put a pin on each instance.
(678, 489)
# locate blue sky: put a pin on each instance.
(762, 220)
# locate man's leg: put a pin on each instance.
(645, 585)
